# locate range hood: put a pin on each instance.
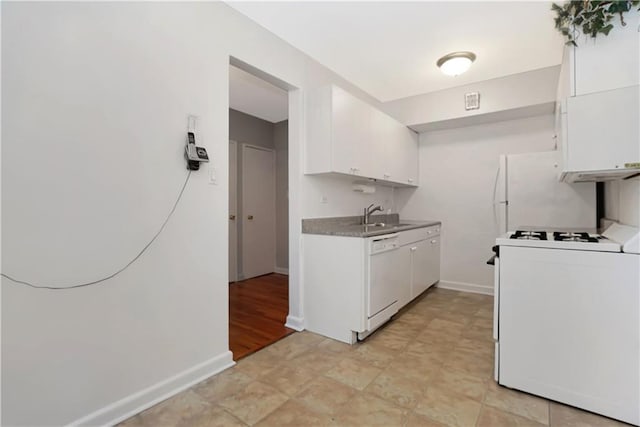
(599, 176)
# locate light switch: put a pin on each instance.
(213, 176)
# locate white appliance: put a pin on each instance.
(387, 271)
(567, 317)
(527, 193)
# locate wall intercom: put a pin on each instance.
(193, 153)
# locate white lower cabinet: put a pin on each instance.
(353, 285)
(425, 265)
(423, 248)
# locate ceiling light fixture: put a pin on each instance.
(456, 63)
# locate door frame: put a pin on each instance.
(233, 274)
(296, 137)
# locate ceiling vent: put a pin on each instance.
(472, 101)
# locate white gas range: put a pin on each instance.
(567, 317)
(616, 238)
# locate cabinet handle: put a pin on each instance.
(413, 249)
(232, 217)
(250, 217)
(434, 241)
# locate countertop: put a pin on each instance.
(351, 226)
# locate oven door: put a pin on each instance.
(496, 317)
(569, 327)
(495, 261)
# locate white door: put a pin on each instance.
(233, 207)
(258, 211)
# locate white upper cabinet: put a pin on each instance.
(396, 148)
(406, 163)
(598, 106)
(350, 134)
(346, 135)
(600, 137)
(604, 63)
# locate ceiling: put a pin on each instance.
(256, 97)
(389, 49)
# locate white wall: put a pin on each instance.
(95, 103)
(457, 175)
(622, 201)
(340, 198)
(505, 98)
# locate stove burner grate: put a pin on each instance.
(574, 237)
(529, 235)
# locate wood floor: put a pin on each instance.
(258, 310)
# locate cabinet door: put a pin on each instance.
(404, 286)
(610, 62)
(397, 150)
(425, 265)
(602, 130)
(383, 147)
(350, 133)
(408, 158)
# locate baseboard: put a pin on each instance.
(466, 287)
(143, 399)
(281, 270)
(296, 323)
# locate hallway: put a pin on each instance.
(258, 309)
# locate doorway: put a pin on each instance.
(258, 213)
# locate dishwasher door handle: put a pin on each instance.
(385, 237)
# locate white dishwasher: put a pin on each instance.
(388, 270)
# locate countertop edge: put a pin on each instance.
(363, 235)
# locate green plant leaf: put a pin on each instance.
(591, 17)
(606, 29)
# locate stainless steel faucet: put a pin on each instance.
(368, 211)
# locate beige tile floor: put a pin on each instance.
(431, 366)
